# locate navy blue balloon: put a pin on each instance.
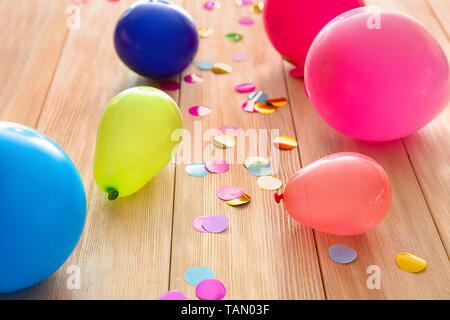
(156, 38)
(42, 206)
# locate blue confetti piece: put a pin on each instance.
(258, 96)
(260, 170)
(342, 254)
(196, 170)
(205, 65)
(195, 275)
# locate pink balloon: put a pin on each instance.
(343, 193)
(292, 24)
(377, 78)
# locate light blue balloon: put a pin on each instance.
(42, 207)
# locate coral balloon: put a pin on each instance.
(156, 38)
(343, 193)
(42, 207)
(292, 24)
(377, 82)
(134, 140)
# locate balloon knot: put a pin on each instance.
(113, 194)
(278, 197)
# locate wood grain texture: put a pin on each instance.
(124, 251)
(29, 55)
(264, 254)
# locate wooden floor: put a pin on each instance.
(59, 81)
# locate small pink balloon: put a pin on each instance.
(229, 193)
(245, 87)
(343, 193)
(173, 295)
(217, 166)
(377, 82)
(304, 19)
(210, 289)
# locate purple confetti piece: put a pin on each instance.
(245, 87)
(210, 289)
(246, 21)
(217, 166)
(197, 224)
(342, 254)
(216, 224)
(173, 295)
(229, 193)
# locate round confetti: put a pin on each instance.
(243, 2)
(195, 275)
(230, 130)
(193, 78)
(245, 198)
(197, 224)
(258, 171)
(258, 96)
(285, 142)
(169, 85)
(224, 141)
(410, 262)
(263, 108)
(199, 111)
(217, 166)
(258, 7)
(240, 57)
(249, 106)
(216, 224)
(269, 183)
(342, 254)
(256, 161)
(221, 68)
(205, 32)
(296, 73)
(210, 289)
(173, 295)
(277, 102)
(211, 5)
(245, 87)
(246, 21)
(229, 193)
(234, 36)
(196, 170)
(205, 65)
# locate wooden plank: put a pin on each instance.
(125, 247)
(28, 55)
(429, 148)
(263, 254)
(407, 227)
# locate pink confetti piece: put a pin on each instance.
(231, 130)
(246, 21)
(193, 78)
(216, 224)
(245, 87)
(217, 166)
(210, 289)
(244, 2)
(173, 295)
(240, 57)
(296, 73)
(229, 193)
(249, 106)
(199, 111)
(211, 5)
(170, 85)
(197, 224)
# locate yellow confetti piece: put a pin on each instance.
(289, 60)
(270, 183)
(224, 141)
(245, 198)
(410, 263)
(205, 32)
(221, 68)
(263, 108)
(256, 161)
(258, 7)
(285, 142)
(277, 102)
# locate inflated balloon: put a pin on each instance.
(134, 140)
(156, 38)
(292, 24)
(377, 76)
(42, 207)
(343, 193)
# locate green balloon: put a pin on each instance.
(134, 140)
